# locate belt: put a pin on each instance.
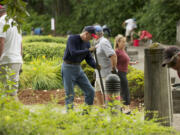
(69, 62)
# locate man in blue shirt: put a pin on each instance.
(38, 31)
(77, 49)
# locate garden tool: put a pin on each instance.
(101, 81)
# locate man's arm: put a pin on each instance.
(90, 60)
(113, 61)
(1, 45)
(72, 48)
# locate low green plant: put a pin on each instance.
(17, 119)
(89, 71)
(41, 74)
(135, 82)
(6, 81)
(38, 49)
(47, 39)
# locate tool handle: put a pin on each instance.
(101, 81)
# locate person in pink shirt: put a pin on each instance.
(122, 66)
(146, 37)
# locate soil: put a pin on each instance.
(30, 97)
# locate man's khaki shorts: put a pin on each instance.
(98, 84)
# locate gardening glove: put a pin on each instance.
(92, 49)
(114, 71)
(98, 67)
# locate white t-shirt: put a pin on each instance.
(12, 46)
(104, 50)
(131, 24)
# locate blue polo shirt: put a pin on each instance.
(77, 50)
(37, 31)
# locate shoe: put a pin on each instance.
(126, 110)
(127, 113)
(85, 112)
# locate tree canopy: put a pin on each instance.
(159, 17)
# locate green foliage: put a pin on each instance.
(89, 71)
(35, 20)
(17, 119)
(6, 82)
(41, 74)
(16, 9)
(160, 17)
(39, 49)
(110, 12)
(30, 39)
(136, 82)
(135, 35)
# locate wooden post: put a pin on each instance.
(178, 33)
(176, 100)
(157, 92)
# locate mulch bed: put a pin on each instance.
(30, 97)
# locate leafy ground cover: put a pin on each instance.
(49, 119)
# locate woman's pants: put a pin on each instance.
(124, 87)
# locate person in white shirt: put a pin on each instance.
(10, 53)
(130, 25)
(107, 59)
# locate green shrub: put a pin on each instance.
(89, 71)
(41, 74)
(30, 39)
(35, 20)
(6, 82)
(17, 119)
(136, 82)
(38, 49)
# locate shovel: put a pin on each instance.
(101, 81)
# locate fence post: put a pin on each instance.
(157, 92)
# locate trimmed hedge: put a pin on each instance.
(30, 39)
(39, 49)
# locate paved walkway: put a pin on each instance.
(140, 66)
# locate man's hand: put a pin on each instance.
(98, 67)
(92, 49)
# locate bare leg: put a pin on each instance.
(100, 99)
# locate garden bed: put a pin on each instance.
(29, 97)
